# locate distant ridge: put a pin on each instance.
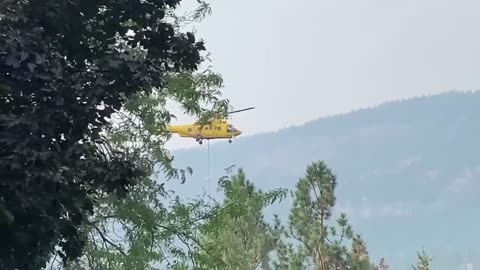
(381, 105)
(420, 98)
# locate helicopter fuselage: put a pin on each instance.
(216, 129)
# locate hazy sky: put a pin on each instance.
(298, 60)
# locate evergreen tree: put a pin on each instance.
(321, 244)
(238, 237)
(358, 255)
(424, 261)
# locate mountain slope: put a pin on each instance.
(408, 172)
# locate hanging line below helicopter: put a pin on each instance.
(208, 168)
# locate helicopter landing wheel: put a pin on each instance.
(230, 141)
(200, 141)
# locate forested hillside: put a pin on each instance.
(408, 173)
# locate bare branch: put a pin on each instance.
(105, 239)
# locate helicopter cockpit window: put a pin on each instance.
(230, 128)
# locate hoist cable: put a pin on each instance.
(208, 167)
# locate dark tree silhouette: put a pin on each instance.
(65, 68)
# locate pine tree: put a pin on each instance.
(358, 255)
(238, 237)
(424, 261)
(322, 244)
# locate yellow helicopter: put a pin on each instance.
(217, 128)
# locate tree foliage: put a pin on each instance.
(68, 70)
(143, 231)
(150, 226)
(231, 234)
(321, 244)
(424, 261)
(239, 237)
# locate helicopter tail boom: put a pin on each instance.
(173, 129)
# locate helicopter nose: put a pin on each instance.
(239, 132)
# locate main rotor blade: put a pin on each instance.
(242, 110)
